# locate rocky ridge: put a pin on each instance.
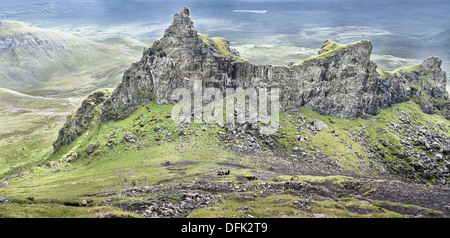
(340, 81)
(83, 119)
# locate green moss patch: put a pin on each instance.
(330, 46)
(221, 45)
(204, 38)
(329, 50)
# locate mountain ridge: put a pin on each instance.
(232, 72)
(340, 81)
(46, 59)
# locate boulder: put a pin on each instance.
(90, 148)
(129, 137)
(435, 145)
(320, 125)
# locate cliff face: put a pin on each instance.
(175, 60)
(340, 81)
(425, 83)
(85, 118)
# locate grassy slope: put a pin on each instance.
(110, 170)
(107, 162)
(116, 164)
(66, 66)
(329, 49)
(220, 44)
(125, 42)
(29, 126)
(49, 62)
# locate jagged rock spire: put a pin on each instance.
(187, 11)
(340, 81)
(182, 25)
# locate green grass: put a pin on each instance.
(405, 70)
(410, 69)
(342, 208)
(254, 205)
(384, 73)
(54, 210)
(220, 44)
(335, 179)
(29, 126)
(337, 147)
(116, 164)
(204, 38)
(242, 206)
(331, 46)
(342, 147)
(114, 168)
(404, 206)
(329, 50)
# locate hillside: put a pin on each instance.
(29, 125)
(125, 42)
(39, 61)
(146, 166)
(352, 140)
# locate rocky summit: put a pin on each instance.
(340, 81)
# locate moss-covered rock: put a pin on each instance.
(86, 116)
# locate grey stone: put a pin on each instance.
(435, 145)
(90, 148)
(320, 125)
(129, 137)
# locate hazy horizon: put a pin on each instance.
(402, 32)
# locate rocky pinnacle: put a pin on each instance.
(340, 81)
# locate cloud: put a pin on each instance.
(343, 33)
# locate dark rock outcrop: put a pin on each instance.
(87, 116)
